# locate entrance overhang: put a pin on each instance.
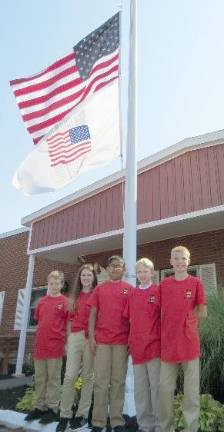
(211, 219)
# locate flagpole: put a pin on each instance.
(130, 215)
(130, 219)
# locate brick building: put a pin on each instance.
(180, 201)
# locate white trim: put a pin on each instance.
(2, 298)
(14, 232)
(166, 221)
(26, 305)
(183, 146)
(185, 216)
(76, 242)
(29, 238)
(187, 144)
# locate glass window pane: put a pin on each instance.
(37, 293)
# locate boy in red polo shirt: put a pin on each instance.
(108, 334)
(183, 304)
(143, 312)
(51, 313)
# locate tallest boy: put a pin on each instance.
(183, 304)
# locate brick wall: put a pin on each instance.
(13, 271)
(205, 248)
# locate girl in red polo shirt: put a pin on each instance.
(78, 353)
(143, 312)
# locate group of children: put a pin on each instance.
(104, 323)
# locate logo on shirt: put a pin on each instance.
(188, 294)
(152, 299)
(60, 306)
(124, 291)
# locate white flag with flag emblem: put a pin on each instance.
(86, 138)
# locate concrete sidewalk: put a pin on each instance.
(9, 383)
(15, 420)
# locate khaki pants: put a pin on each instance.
(191, 399)
(78, 356)
(146, 392)
(48, 383)
(110, 366)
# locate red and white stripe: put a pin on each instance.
(45, 98)
(62, 151)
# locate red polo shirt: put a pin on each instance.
(179, 326)
(51, 314)
(80, 316)
(143, 312)
(110, 299)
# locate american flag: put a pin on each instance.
(45, 98)
(68, 146)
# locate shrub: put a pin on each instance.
(27, 401)
(212, 349)
(211, 414)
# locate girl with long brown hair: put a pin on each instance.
(79, 355)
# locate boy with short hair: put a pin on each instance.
(108, 335)
(143, 312)
(51, 314)
(183, 304)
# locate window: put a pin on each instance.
(192, 270)
(37, 293)
(207, 273)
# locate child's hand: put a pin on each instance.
(92, 345)
(200, 312)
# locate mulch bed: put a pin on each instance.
(10, 397)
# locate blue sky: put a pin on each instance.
(180, 76)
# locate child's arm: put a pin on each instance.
(92, 323)
(200, 309)
(69, 325)
(200, 312)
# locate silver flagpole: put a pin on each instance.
(130, 215)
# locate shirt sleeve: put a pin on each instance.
(200, 295)
(93, 300)
(160, 294)
(158, 291)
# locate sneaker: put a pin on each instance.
(78, 423)
(119, 429)
(62, 425)
(49, 417)
(34, 415)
